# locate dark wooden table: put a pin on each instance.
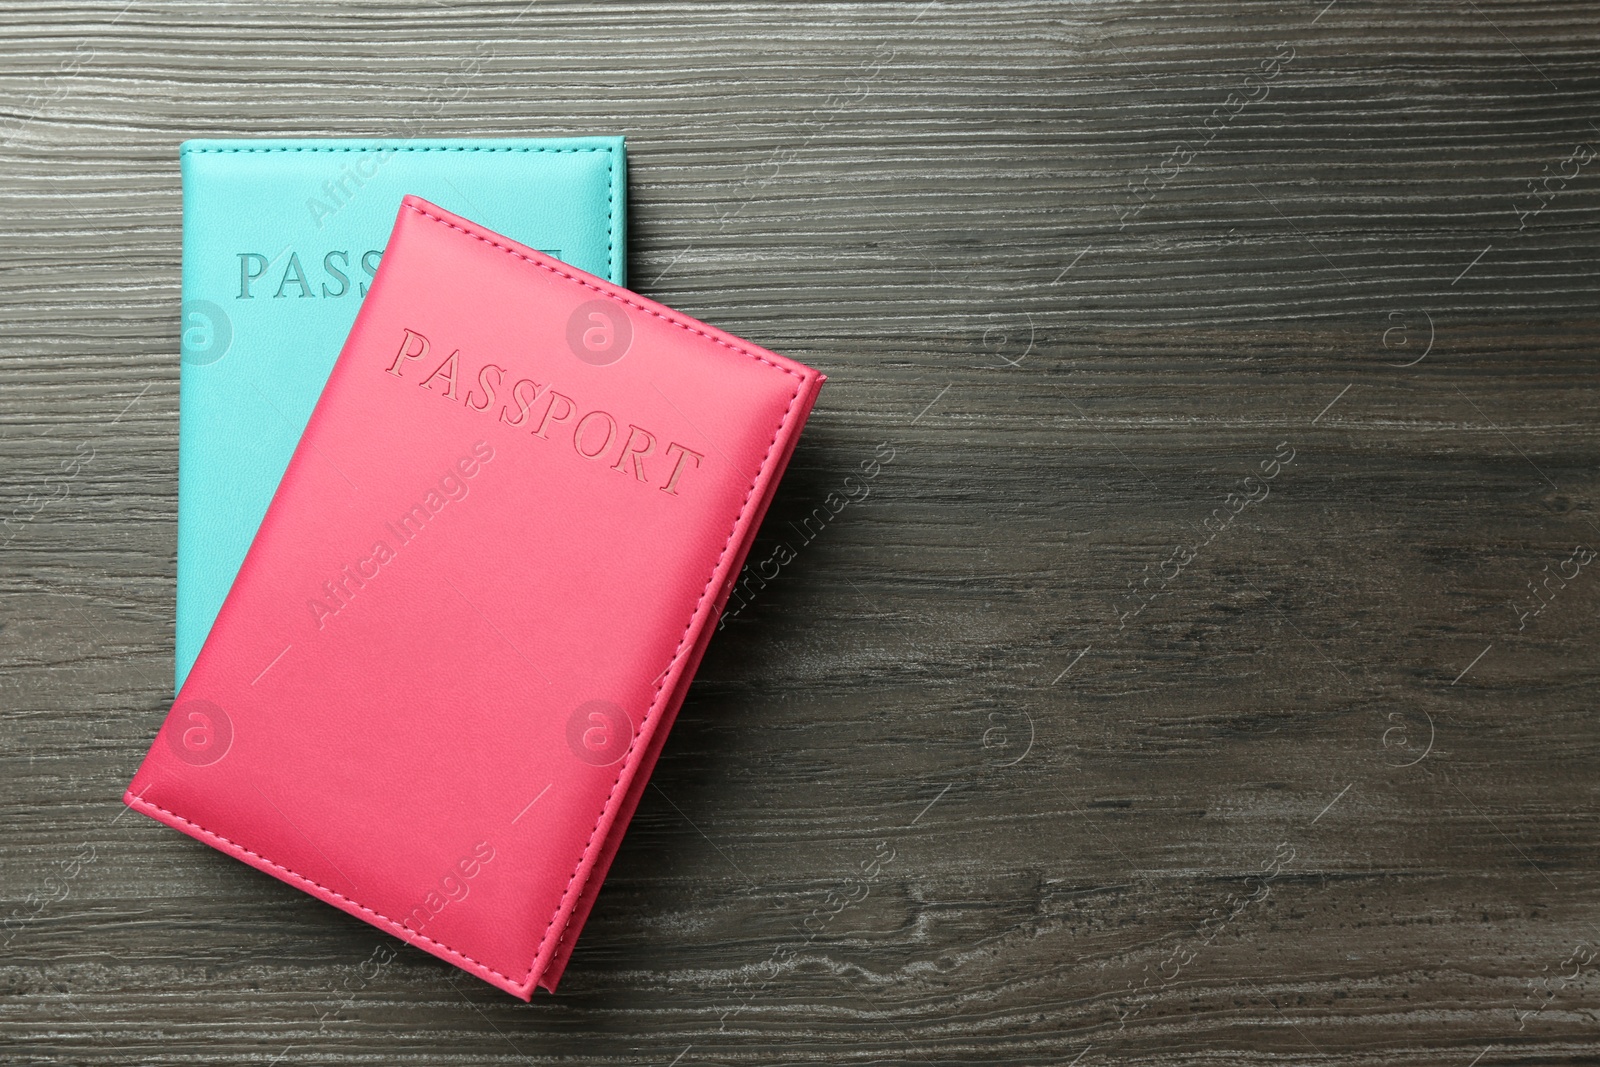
(1209, 678)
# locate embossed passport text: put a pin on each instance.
(281, 240)
(437, 688)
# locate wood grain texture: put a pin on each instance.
(1310, 783)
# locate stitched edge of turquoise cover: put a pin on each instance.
(280, 238)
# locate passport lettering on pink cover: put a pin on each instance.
(440, 681)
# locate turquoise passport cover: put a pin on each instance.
(280, 240)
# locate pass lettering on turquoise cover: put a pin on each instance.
(281, 239)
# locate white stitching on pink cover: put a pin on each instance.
(400, 931)
(683, 639)
(628, 762)
(621, 300)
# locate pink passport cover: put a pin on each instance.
(440, 681)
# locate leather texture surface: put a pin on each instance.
(280, 240)
(439, 684)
